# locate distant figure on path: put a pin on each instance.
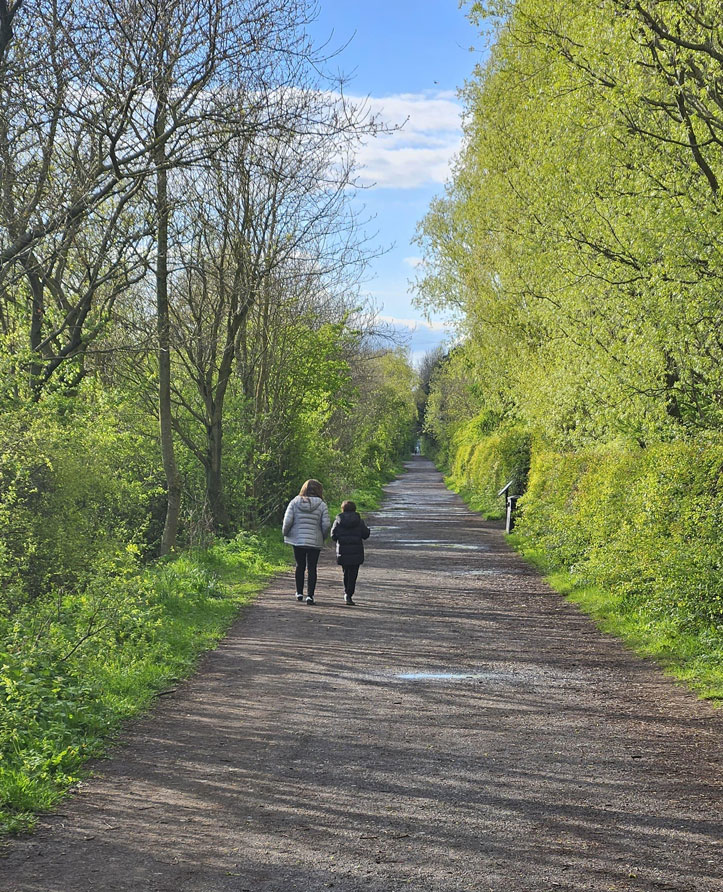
(348, 532)
(306, 525)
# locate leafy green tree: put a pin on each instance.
(579, 237)
(269, 224)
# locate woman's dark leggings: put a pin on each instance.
(306, 557)
(351, 571)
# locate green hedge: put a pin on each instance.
(633, 535)
(645, 524)
(486, 459)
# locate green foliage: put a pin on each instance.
(644, 524)
(330, 410)
(75, 495)
(367, 496)
(386, 428)
(453, 400)
(357, 432)
(485, 461)
(580, 236)
(73, 667)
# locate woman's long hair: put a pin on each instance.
(312, 488)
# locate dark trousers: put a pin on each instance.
(306, 557)
(351, 571)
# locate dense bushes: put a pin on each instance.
(76, 494)
(484, 461)
(645, 524)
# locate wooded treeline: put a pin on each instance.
(182, 339)
(182, 344)
(580, 245)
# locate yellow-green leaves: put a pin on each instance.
(580, 237)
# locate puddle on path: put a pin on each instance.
(397, 505)
(435, 543)
(457, 676)
(532, 676)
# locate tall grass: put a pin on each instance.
(73, 667)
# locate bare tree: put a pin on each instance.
(71, 236)
(192, 67)
(269, 222)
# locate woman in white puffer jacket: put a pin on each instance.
(306, 525)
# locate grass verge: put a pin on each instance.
(693, 656)
(476, 502)
(72, 669)
(75, 666)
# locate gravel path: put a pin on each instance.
(463, 728)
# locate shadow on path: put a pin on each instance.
(463, 728)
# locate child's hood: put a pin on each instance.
(349, 519)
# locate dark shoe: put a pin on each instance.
(309, 599)
(299, 596)
(349, 600)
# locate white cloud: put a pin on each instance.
(414, 262)
(420, 111)
(414, 324)
(420, 152)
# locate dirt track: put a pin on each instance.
(463, 728)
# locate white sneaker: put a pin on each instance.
(299, 596)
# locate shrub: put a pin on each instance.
(487, 459)
(646, 524)
(75, 491)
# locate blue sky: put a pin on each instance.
(409, 59)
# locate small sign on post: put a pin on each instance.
(511, 506)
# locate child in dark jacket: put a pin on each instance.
(348, 532)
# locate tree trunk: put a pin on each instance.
(36, 328)
(214, 428)
(173, 478)
(214, 483)
(7, 13)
